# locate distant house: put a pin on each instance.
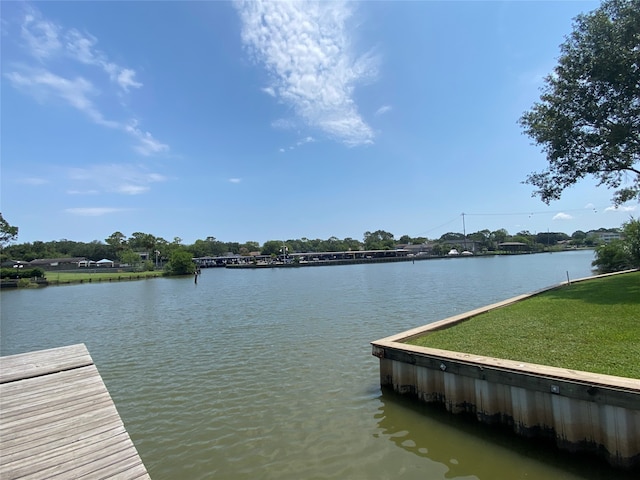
(86, 263)
(514, 247)
(417, 249)
(105, 262)
(15, 264)
(465, 245)
(57, 263)
(605, 237)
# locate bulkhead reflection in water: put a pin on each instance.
(468, 449)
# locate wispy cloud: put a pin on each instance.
(43, 85)
(94, 211)
(90, 191)
(147, 145)
(81, 47)
(299, 143)
(33, 181)
(115, 178)
(235, 180)
(562, 216)
(305, 46)
(41, 37)
(44, 39)
(45, 42)
(382, 110)
(622, 208)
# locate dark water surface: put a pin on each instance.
(268, 374)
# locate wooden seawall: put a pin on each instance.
(581, 411)
(57, 420)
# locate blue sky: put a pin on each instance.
(256, 121)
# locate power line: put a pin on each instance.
(504, 214)
(542, 212)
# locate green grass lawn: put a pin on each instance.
(97, 276)
(592, 326)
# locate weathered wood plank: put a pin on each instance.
(57, 420)
(66, 460)
(68, 413)
(41, 386)
(52, 440)
(62, 427)
(26, 365)
(21, 404)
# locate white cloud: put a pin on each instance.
(93, 211)
(284, 124)
(83, 192)
(147, 145)
(129, 189)
(115, 178)
(382, 110)
(622, 208)
(81, 47)
(43, 85)
(299, 143)
(305, 140)
(45, 40)
(562, 216)
(305, 47)
(41, 36)
(235, 180)
(125, 79)
(34, 181)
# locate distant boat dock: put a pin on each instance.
(57, 419)
(310, 259)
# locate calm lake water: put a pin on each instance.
(268, 374)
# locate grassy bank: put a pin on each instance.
(591, 326)
(97, 276)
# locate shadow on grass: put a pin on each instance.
(613, 290)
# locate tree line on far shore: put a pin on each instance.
(127, 249)
(615, 255)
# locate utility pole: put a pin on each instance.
(464, 231)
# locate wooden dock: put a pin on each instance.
(57, 420)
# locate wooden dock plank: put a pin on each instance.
(41, 386)
(43, 362)
(51, 441)
(67, 413)
(69, 460)
(60, 427)
(57, 420)
(23, 402)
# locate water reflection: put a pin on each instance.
(471, 450)
(269, 374)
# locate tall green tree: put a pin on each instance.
(620, 254)
(8, 233)
(143, 242)
(117, 241)
(272, 247)
(588, 118)
(129, 257)
(378, 240)
(181, 262)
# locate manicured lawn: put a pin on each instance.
(97, 276)
(592, 326)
